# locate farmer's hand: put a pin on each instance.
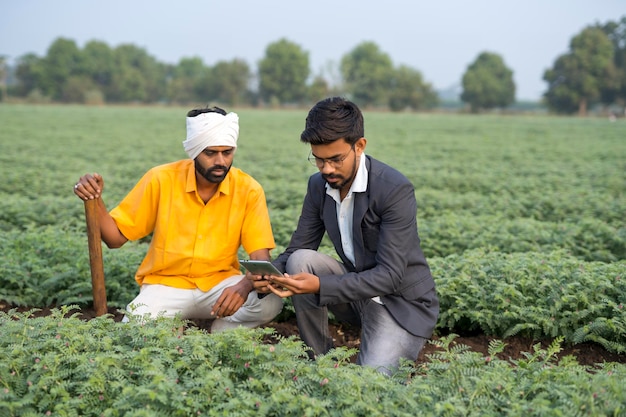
(288, 285)
(231, 299)
(89, 187)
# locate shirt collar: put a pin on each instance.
(360, 180)
(191, 178)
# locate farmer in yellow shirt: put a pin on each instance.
(200, 211)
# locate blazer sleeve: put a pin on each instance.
(310, 229)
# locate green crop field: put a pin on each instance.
(523, 219)
(492, 191)
(524, 197)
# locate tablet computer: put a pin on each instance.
(260, 268)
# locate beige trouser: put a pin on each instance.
(155, 299)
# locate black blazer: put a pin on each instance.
(389, 261)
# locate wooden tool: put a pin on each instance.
(95, 257)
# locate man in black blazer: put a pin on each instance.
(382, 282)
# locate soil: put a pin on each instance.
(587, 354)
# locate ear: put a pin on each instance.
(359, 146)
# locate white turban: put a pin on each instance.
(210, 129)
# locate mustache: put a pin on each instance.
(216, 167)
(331, 176)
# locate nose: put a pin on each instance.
(220, 159)
(327, 168)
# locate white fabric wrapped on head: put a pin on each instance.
(210, 129)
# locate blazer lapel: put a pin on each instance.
(330, 221)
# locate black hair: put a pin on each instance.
(214, 109)
(331, 119)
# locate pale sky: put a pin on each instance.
(438, 38)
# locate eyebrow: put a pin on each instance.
(207, 150)
(332, 157)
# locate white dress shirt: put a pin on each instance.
(345, 210)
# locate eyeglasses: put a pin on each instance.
(336, 162)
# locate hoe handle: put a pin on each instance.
(95, 257)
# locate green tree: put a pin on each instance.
(99, 66)
(319, 89)
(186, 81)
(137, 76)
(29, 74)
(283, 72)
(3, 77)
(561, 97)
(578, 77)
(128, 85)
(62, 61)
(409, 91)
(192, 68)
(488, 83)
(614, 92)
(367, 73)
(228, 82)
(77, 88)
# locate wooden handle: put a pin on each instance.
(95, 257)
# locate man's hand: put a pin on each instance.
(288, 285)
(231, 299)
(89, 187)
(261, 283)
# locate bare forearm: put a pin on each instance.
(260, 255)
(109, 232)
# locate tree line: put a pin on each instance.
(592, 72)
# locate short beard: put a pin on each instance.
(346, 181)
(207, 173)
(337, 185)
